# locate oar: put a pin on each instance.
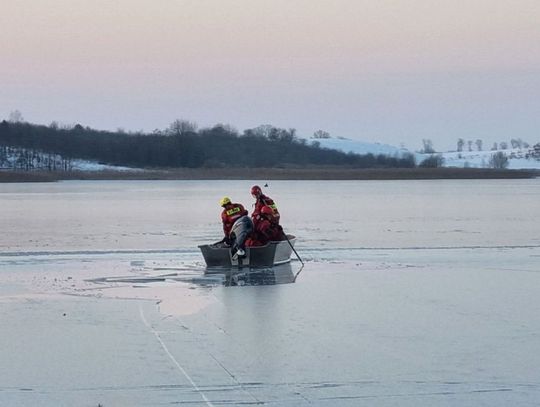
(292, 247)
(297, 273)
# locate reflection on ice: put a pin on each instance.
(282, 274)
(182, 290)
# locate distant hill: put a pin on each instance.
(26, 147)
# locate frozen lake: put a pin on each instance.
(178, 215)
(413, 293)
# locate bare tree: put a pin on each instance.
(433, 161)
(516, 143)
(179, 127)
(319, 134)
(460, 144)
(227, 128)
(469, 143)
(479, 144)
(499, 160)
(494, 147)
(428, 146)
(3, 156)
(534, 152)
(264, 130)
(292, 132)
(15, 117)
(503, 145)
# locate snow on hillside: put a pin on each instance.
(22, 159)
(480, 159)
(472, 159)
(84, 165)
(358, 147)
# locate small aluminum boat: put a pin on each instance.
(271, 254)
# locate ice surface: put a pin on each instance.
(414, 293)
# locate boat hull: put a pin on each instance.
(271, 254)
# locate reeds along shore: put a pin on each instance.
(330, 173)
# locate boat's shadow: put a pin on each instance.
(282, 274)
(210, 276)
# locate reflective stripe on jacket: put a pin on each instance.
(264, 200)
(231, 214)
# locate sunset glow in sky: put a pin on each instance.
(393, 71)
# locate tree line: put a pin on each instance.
(29, 159)
(516, 143)
(180, 145)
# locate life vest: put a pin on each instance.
(264, 200)
(231, 214)
(266, 231)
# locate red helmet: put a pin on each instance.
(266, 210)
(256, 190)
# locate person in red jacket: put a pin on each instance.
(266, 229)
(262, 200)
(236, 224)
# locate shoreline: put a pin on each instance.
(319, 173)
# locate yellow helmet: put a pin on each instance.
(224, 201)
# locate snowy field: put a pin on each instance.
(414, 293)
(471, 159)
(480, 159)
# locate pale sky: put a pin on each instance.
(392, 71)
